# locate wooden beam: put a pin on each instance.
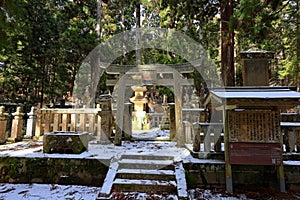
(228, 170)
(227, 107)
(252, 103)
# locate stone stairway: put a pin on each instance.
(145, 173)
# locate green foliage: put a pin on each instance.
(288, 47)
(254, 22)
(42, 43)
(46, 44)
(273, 26)
(165, 91)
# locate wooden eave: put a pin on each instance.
(251, 103)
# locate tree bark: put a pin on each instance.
(227, 43)
(98, 29)
(298, 47)
(138, 36)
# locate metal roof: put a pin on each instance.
(255, 93)
(254, 97)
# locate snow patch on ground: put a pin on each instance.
(109, 151)
(150, 134)
(47, 191)
(142, 196)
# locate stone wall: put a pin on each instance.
(211, 175)
(53, 170)
(92, 172)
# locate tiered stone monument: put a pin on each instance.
(139, 121)
(255, 65)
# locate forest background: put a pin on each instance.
(43, 42)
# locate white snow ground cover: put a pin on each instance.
(47, 192)
(30, 148)
(75, 192)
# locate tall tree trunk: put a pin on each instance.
(95, 64)
(138, 36)
(72, 81)
(98, 28)
(298, 47)
(227, 43)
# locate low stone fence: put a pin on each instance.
(16, 133)
(203, 136)
(51, 120)
(41, 121)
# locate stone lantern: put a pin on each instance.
(139, 113)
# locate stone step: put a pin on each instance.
(146, 157)
(108, 181)
(144, 173)
(146, 164)
(160, 139)
(133, 185)
(181, 181)
(141, 174)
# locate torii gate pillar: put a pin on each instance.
(178, 110)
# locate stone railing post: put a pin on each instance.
(38, 124)
(3, 123)
(98, 128)
(187, 132)
(31, 123)
(172, 121)
(165, 122)
(105, 113)
(127, 126)
(17, 125)
(197, 137)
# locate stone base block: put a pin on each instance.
(14, 139)
(65, 142)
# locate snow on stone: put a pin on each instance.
(291, 162)
(181, 181)
(145, 182)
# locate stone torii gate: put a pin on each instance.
(154, 74)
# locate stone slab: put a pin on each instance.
(65, 142)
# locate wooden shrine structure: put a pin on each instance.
(252, 133)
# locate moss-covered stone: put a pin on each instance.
(11, 169)
(52, 170)
(65, 142)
